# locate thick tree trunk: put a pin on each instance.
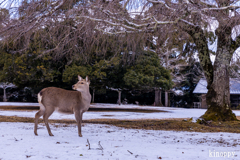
(158, 97)
(218, 96)
(217, 76)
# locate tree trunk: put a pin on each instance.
(119, 97)
(4, 95)
(93, 96)
(217, 76)
(166, 98)
(158, 97)
(218, 96)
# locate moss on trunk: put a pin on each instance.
(217, 113)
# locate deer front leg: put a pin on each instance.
(78, 116)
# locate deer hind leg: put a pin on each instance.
(46, 115)
(78, 116)
(37, 116)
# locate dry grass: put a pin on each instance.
(173, 124)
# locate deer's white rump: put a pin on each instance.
(65, 101)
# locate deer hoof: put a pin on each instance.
(80, 135)
(51, 134)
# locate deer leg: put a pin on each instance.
(46, 115)
(37, 116)
(78, 116)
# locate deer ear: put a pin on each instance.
(79, 78)
(87, 79)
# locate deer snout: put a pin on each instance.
(72, 86)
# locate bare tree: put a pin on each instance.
(135, 21)
(119, 90)
(196, 19)
(4, 86)
(59, 27)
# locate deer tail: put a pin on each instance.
(42, 107)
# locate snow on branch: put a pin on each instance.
(189, 23)
(36, 20)
(114, 89)
(123, 22)
(107, 21)
(115, 33)
(5, 85)
(156, 22)
(221, 8)
(161, 2)
(129, 25)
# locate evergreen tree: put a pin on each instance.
(148, 74)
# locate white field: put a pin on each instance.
(17, 140)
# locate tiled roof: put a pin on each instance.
(201, 87)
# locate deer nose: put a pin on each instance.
(72, 86)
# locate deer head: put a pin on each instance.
(82, 84)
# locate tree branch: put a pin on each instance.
(200, 40)
(161, 2)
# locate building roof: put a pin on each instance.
(201, 87)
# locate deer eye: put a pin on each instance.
(81, 82)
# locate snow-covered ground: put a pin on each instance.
(18, 104)
(17, 140)
(170, 112)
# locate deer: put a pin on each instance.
(64, 101)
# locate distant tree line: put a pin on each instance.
(125, 71)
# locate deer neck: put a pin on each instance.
(86, 96)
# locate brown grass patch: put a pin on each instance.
(174, 125)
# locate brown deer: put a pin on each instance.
(64, 101)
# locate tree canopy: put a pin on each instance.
(147, 73)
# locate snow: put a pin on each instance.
(17, 140)
(202, 86)
(169, 112)
(18, 104)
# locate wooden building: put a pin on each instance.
(201, 90)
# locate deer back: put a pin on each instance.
(64, 100)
